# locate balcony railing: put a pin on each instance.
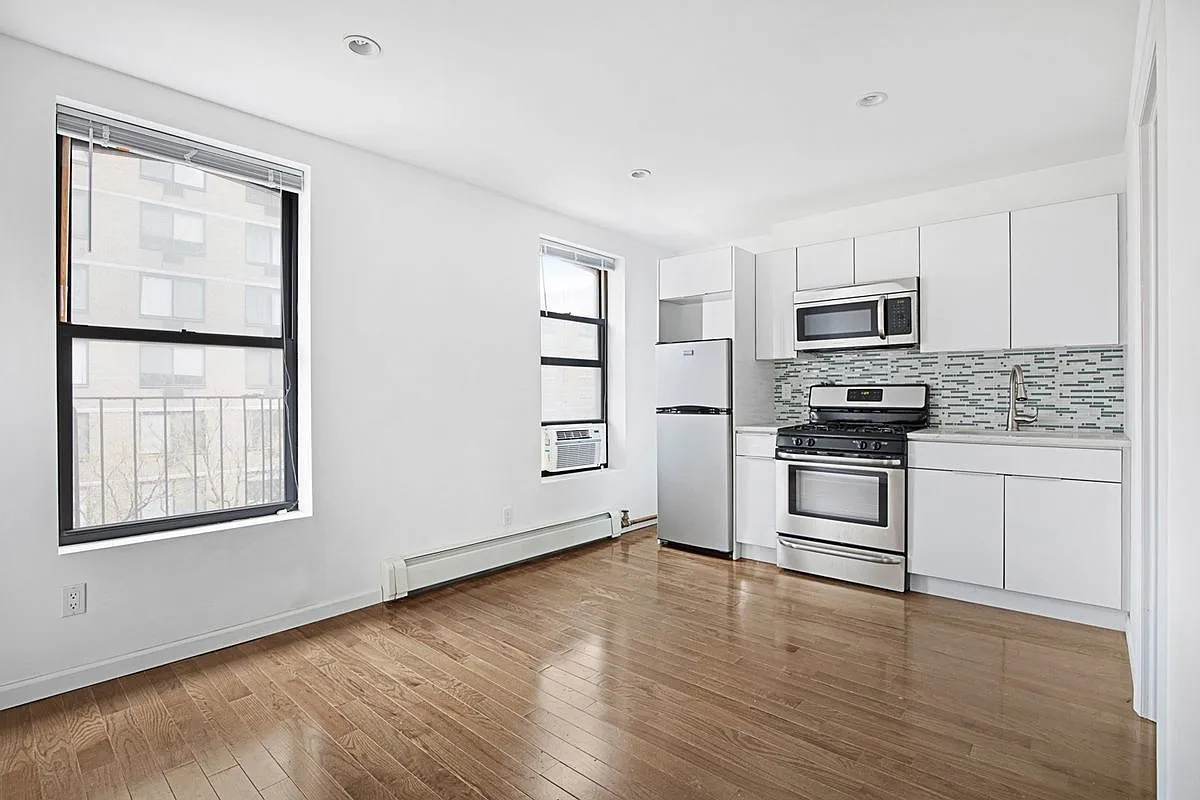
(138, 457)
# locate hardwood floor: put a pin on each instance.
(619, 670)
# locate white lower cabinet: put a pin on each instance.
(1063, 539)
(956, 526)
(755, 501)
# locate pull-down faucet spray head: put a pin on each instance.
(1016, 377)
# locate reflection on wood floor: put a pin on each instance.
(619, 670)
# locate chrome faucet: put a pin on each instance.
(1016, 391)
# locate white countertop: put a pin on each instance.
(1097, 440)
(768, 427)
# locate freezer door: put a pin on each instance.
(695, 480)
(693, 374)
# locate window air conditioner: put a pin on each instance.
(566, 448)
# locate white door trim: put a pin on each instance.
(1145, 340)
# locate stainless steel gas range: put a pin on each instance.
(840, 488)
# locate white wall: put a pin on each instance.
(1023, 190)
(1172, 29)
(425, 390)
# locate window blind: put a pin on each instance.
(584, 258)
(108, 132)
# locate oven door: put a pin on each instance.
(832, 324)
(843, 500)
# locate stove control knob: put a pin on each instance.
(811, 442)
(876, 445)
(862, 445)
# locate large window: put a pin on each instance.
(574, 336)
(177, 358)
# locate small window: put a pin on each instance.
(262, 307)
(574, 334)
(263, 246)
(172, 298)
(171, 230)
(171, 366)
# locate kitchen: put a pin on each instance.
(829, 433)
(937, 408)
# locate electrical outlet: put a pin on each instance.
(74, 599)
(787, 391)
(507, 514)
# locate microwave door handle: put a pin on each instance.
(880, 316)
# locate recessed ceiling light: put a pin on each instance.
(871, 99)
(362, 45)
(639, 174)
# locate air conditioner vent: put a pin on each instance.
(571, 447)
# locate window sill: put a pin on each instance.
(569, 476)
(125, 541)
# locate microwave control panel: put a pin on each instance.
(899, 315)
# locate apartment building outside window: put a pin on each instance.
(177, 351)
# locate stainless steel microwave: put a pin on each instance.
(865, 315)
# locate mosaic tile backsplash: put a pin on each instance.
(1073, 388)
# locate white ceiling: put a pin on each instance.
(744, 109)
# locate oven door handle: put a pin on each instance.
(818, 461)
(874, 558)
(881, 315)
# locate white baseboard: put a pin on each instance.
(756, 552)
(437, 567)
(29, 689)
(1111, 618)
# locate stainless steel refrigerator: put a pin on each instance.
(694, 401)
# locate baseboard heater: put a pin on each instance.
(410, 573)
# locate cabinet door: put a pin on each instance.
(1064, 274)
(696, 274)
(956, 526)
(825, 264)
(755, 500)
(774, 283)
(964, 284)
(886, 256)
(1063, 539)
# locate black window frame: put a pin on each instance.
(600, 362)
(68, 331)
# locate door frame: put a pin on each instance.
(1146, 338)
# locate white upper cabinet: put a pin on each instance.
(825, 264)
(964, 284)
(774, 282)
(1064, 274)
(886, 256)
(696, 274)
